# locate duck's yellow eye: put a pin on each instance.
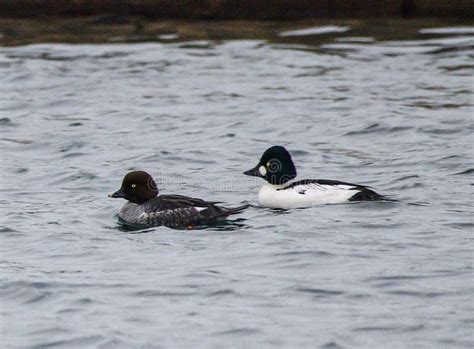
(133, 185)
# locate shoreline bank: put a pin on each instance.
(242, 9)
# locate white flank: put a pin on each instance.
(199, 209)
(314, 194)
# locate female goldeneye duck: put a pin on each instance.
(281, 191)
(145, 208)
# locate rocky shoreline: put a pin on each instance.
(241, 9)
(113, 29)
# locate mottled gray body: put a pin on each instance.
(174, 211)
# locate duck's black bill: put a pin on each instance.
(118, 194)
(253, 172)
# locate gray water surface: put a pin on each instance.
(395, 115)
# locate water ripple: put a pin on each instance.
(393, 114)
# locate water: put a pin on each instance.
(396, 115)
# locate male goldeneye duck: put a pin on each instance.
(281, 191)
(146, 209)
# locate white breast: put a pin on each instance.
(306, 195)
(132, 213)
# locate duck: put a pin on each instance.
(145, 208)
(282, 191)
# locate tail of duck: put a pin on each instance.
(366, 194)
(227, 211)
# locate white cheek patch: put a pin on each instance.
(199, 209)
(262, 170)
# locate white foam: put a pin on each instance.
(448, 30)
(168, 36)
(316, 31)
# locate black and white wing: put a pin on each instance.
(323, 187)
(176, 211)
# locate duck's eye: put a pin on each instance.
(133, 185)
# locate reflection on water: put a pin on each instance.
(395, 115)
